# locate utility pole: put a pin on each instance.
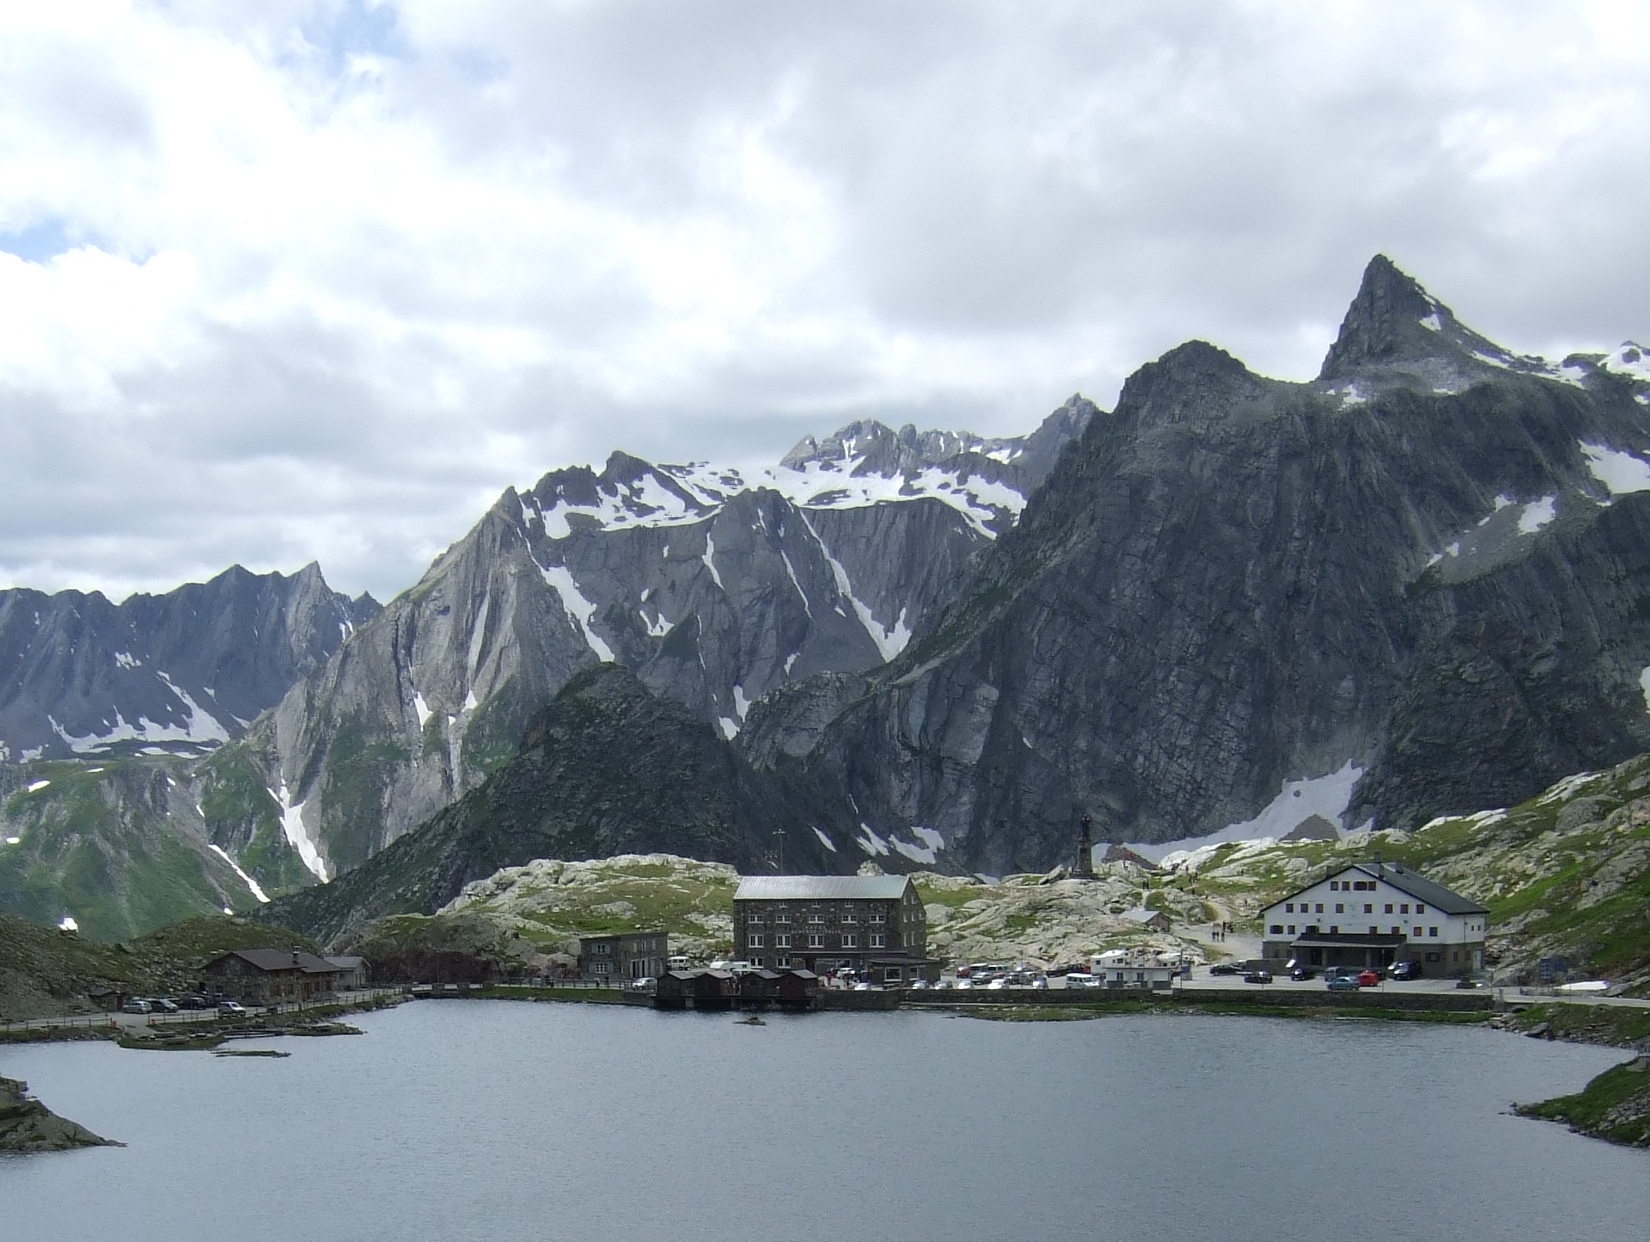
(780, 836)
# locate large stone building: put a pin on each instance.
(872, 925)
(1375, 915)
(270, 977)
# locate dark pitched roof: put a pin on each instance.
(1428, 892)
(271, 960)
(1422, 889)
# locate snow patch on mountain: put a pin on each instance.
(251, 884)
(1621, 472)
(825, 840)
(299, 836)
(578, 608)
(1328, 796)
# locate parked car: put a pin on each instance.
(136, 1006)
(229, 1008)
(642, 984)
(1342, 983)
(1405, 971)
(1466, 982)
(1224, 968)
(1258, 976)
(162, 1004)
(1369, 979)
(196, 1001)
(1303, 972)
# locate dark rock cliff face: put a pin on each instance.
(716, 589)
(1414, 586)
(607, 768)
(182, 671)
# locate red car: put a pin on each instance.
(1369, 979)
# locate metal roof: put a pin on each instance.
(821, 887)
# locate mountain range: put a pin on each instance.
(1408, 587)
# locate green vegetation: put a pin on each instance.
(361, 760)
(237, 806)
(1615, 1106)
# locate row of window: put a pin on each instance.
(1340, 908)
(1352, 886)
(816, 940)
(1277, 929)
(848, 916)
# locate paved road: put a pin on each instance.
(128, 1020)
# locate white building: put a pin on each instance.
(1121, 968)
(1373, 915)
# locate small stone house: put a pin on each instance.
(618, 959)
(1152, 920)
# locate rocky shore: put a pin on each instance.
(27, 1125)
(1615, 1106)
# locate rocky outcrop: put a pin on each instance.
(714, 587)
(27, 1125)
(607, 768)
(179, 672)
(1407, 588)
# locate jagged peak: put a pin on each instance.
(1393, 319)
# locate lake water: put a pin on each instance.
(501, 1121)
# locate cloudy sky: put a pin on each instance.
(286, 280)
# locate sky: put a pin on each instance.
(294, 280)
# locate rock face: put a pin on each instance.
(607, 768)
(716, 589)
(1410, 587)
(28, 1125)
(180, 672)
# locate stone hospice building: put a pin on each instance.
(872, 925)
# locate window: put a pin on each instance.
(891, 974)
(1374, 931)
(1432, 932)
(1340, 908)
(1318, 909)
(1397, 931)
(782, 961)
(782, 917)
(1291, 929)
(1277, 929)
(850, 941)
(1404, 909)
(1334, 929)
(1334, 886)
(877, 916)
(1389, 907)
(816, 940)
(1368, 909)
(757, 962)
(601, 950)
(601, 968)
(753, 916)
(1420, 909)
(1288, 907)
(815, 919)
(781, 942)
(754, 940)
(1417, 933)
(848, 916)
(878, 941)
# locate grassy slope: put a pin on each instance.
(44, 971)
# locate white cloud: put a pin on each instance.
(303, 280)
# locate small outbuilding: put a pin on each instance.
(1152, 920)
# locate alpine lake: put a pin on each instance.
(499, 1120)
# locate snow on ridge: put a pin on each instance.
(1432, 323)
(1622, 473)
(729, 727)
(201, 727)
(298, 834)
(709, 558)
(1630, 358)
(579, 609)
(251, 884)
